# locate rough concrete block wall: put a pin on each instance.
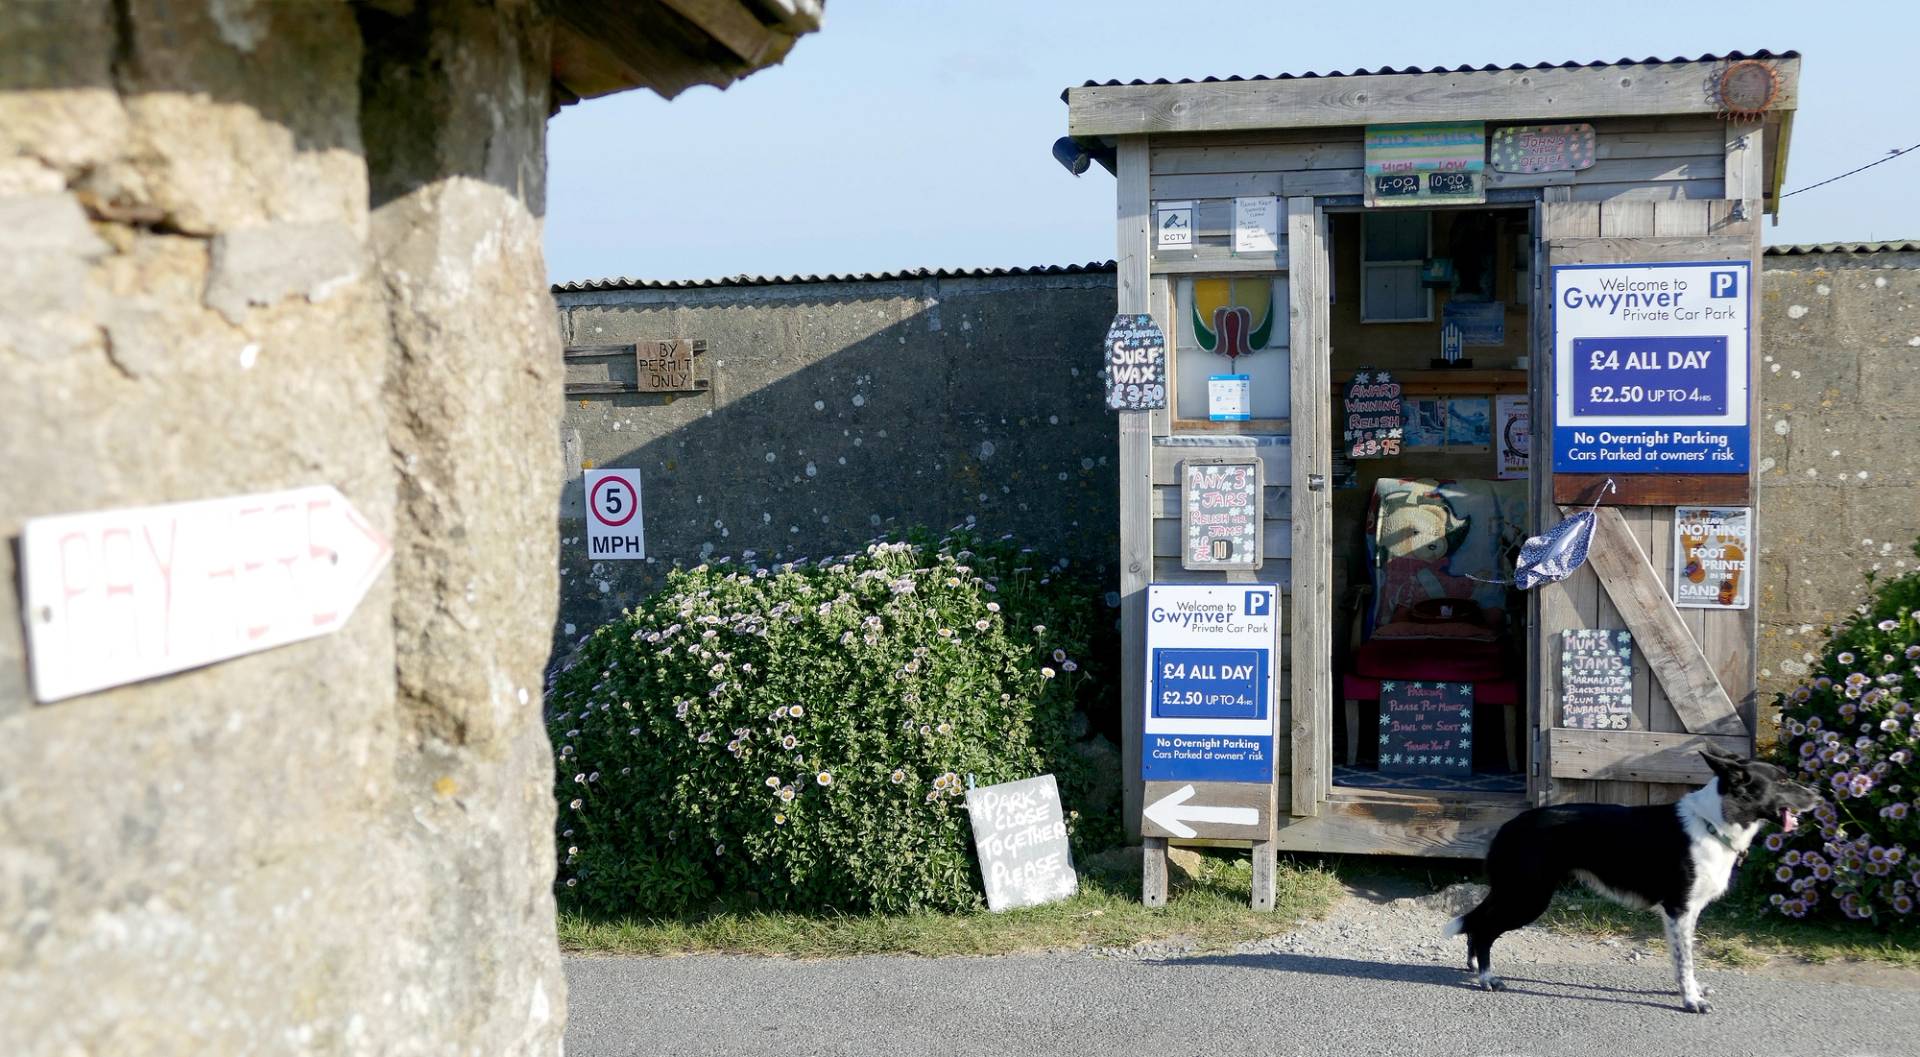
(838, 411)
(247, 246)
(1839, 466)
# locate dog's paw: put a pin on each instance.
(1698, 1005)
(1490, 982)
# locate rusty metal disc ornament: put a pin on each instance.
(1747, 88)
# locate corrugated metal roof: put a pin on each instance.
(1732, 56)
(1805, 248)
(624, 283)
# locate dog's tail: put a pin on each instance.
(1455, 927)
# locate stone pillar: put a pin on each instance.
(246, 246)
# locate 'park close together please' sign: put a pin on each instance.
(1651, 368)
(1210, 682)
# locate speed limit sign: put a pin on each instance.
(613, 515)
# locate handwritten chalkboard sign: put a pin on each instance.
(1220, 513)
(1022, 841)
(1451, 183)
(1136, 364)
(1596, 679)
(1542, 148)
(1396, 185)
(1375, 425)
(1426, 728)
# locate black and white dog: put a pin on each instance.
(1671, 858)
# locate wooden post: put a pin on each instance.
(1136, 487)
(1153, 871)
(1263, 864)
(1312, 697)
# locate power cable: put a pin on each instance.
(1892, 154)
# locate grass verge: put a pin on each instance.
(1209, 911)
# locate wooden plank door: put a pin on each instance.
(1311, 700)
(1690, 690)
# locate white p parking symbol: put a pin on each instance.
(1723, 284)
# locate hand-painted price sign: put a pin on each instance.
(1451, 183)
(1596, 679)
(1136, 364)
(1220, 515)
(1376, 422)
(1426, 727)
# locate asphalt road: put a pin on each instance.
(1278, 1003)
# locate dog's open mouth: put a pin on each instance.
(1788, 820)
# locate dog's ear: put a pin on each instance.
(1731, 770)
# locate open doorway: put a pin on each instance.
(1429, 647)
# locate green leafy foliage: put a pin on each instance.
(800, 737)
(1850, 732)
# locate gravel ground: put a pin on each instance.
(1373, 977)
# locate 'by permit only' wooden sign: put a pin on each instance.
(1022, 840)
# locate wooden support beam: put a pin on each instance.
(1637, 755)
(1263, 865)
(1309, 479)
(730, 23)
(1134, 249)
(1530, 94)
(1153, 871)
(1652, 489)
(1659, 634)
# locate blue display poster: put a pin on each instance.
(1652, 368)
(1210, 688)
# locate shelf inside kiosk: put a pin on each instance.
(1429, 648)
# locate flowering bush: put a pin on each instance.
(1851, 732)
(801, 736)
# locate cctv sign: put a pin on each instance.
(614, 528)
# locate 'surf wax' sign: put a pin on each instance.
(1375, 417)
(614, 526)
(665, 366)
(1712, 557)
(1426, 728)
(1220, 514)
(1651, 368)
(1542, 148)
(1596, 679)
(1136, 364)
(1210, 686)
(1022, 841)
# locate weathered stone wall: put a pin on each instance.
(837, 411)
(1839, 444)
(247, 246)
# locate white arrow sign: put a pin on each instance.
(116, 596)
(1172, 813)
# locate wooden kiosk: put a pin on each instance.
(1419, 211)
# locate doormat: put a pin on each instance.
(1446, 783)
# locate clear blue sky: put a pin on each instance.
(909, 133)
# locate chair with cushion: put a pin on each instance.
(1433, 610)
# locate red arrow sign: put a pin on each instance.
(117, 596)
